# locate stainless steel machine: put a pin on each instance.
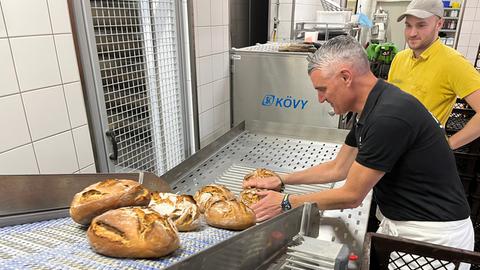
(269, 85)
(36, 232)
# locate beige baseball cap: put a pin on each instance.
(423, 9)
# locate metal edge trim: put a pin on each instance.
(200, 156)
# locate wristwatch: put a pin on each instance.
(286, 203)
(282, 184)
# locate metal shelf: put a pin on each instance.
(448, 30)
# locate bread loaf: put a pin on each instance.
(260, 173)
(231, 215)
(103, 196)
(249, 196)
(182, 209)
(133, 232)
(210, 194)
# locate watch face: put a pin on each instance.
(286, 205)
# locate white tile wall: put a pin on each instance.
(59, 16)
(469, 38)
(204, 70)
(204, 41)
(14, 125)
(40, 123)
(26, 17)
(66, 58)
(218, 116)
(217, 39)
(89, 169)
(226, 12)
(203, 12)
(205, 97)
(216, 12)
(3, 29)
(471, 3)
(218, 66)
(221, 91)
(20, 160)
(8, 78)
(469, 14)
(206, 123)
(83, 146)
(212, 52)
(463, 50)
(46, 112)
(75, 104)
(35, 62)
(56, 154)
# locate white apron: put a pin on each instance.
(457, 234)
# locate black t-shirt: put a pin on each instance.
(397, 135)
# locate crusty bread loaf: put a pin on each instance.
(249, 196)
(105, 195)
(231, 215)
(182, 209)
(210, 194)
(261, 173)
(133, 232)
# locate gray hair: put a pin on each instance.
(339, 49)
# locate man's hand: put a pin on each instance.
(272, 183)
(269, 206)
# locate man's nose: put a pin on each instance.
(321, 98)
(412, 32)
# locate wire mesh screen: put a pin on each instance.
(400, 260)
(139, 65)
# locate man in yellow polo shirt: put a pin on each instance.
(433, 72)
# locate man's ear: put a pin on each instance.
(439, 24)
(346, 76)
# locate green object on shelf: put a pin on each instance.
(383, 52)
(371, 54)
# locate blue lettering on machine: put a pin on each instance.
(287, 102)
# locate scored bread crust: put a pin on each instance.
(260, 173)
(105, 195)
(182, 209)
(231, 215)
(133, 232)
(249, 196)
(209, 194)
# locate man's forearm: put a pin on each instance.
(328, 199)
(319, 174)
(470, 132)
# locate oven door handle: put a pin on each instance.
(111, 135)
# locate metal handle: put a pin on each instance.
(111, 135)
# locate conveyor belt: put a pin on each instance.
(62, 244)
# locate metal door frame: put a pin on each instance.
(90, 75)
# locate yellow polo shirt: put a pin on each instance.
(436, 77)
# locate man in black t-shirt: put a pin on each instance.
(396, 148)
